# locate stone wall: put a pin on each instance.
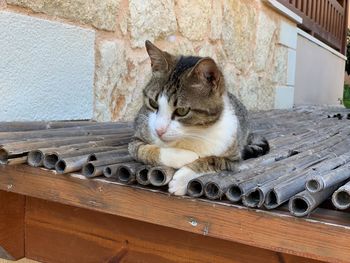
(244, 37)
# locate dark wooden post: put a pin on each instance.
(346, 7)
(12, 207)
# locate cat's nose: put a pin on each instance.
(160, 131)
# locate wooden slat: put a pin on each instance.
(11, 225)
(320, 19)
(272, 231)
(60, 233)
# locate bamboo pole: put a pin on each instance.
(305, 202)
(70, 164)
(123, 150)
(56, 130)
(95, 168)
(52, 157)
(17, 160)
(142, 174)
(253, 197)
(282, 191)
(160, 175)
(97, 129)
(40, 125)
(36, 157)
(11, 150)
(341, 197)
(126, 172)
(74, 161)
(317, 182)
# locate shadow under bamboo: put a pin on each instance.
(160, 175)
(341, 197)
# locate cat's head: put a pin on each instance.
(184, 94)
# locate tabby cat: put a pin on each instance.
(189, 121)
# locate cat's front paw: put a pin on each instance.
(176, 158)
(178, 185)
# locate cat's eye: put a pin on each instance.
(182, 111)
(153, 104)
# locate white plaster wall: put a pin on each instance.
(46, 69)
(319, 77)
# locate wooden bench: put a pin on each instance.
(67, 218)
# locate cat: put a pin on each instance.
(189, 121)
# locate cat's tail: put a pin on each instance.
(256, 146)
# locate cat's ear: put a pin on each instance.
(160, 60)
(207, 72)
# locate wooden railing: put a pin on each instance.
(324, 19)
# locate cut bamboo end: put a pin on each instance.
(61, 166)
(234, 193)
(254, 198)
(212, 191)
(271, 200)
(92, 157)
(88, 170)
(142, 175)
(35, 158)
(314, 185)
(341, 197)
(107, 172)
(125, 174)
(195, 188)
(159, 176)
(4, 156)
(299, 206)
(341, 200)
(50, 160)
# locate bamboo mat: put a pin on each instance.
(308, 163)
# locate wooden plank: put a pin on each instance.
(11, 225)
(60, 233)
(320, 25)
(283, 233)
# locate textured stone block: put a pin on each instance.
(151, 19)
(216, 21)
(265, 36)
(238, 32)
(47, 69)
(101, 14)
(193, 18)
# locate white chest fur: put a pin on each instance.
(216, 139)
